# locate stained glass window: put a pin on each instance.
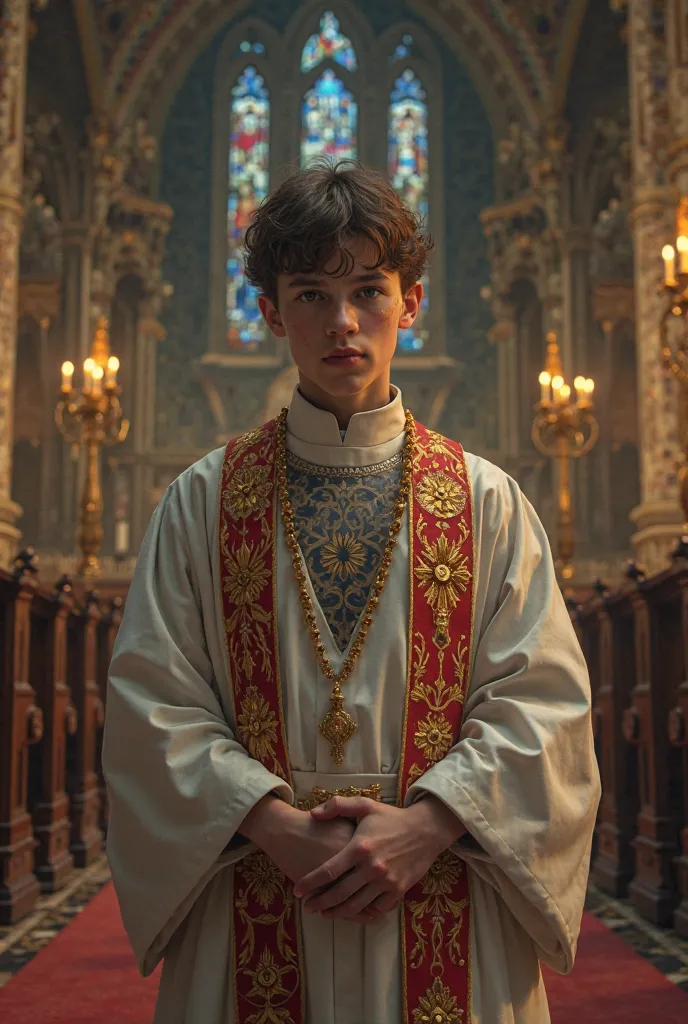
(328, 42)
(248, 186)
(404, 48)
(250, 46)
(408, 172)
(328, 120)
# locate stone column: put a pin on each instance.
(13, 42)
(658, 517)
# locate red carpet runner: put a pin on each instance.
(86, 975)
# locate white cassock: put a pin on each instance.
(522, 777)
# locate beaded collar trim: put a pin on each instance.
(352, 471)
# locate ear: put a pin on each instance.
(412, 302)
(271, 316)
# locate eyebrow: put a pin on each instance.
(316, 282)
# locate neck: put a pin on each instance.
(375, 396)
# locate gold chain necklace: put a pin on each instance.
(337, 727)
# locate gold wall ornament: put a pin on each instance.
(92, 420)
(564, 428)
(337, 727)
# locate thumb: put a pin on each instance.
(344, 807)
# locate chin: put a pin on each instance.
(344, 385)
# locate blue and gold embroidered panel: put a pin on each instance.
(342, 517)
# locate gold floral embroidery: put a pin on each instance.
(245, 575)
(268, 986)
(444, 913)
(437, 1006)
(264, 878)
(343, 556)
(249, 492)
(444, 573)
(258, 879)
(434, 737)
(440, 495)
(257, 725)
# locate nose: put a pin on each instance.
(343, 320)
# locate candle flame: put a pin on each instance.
(545, 379)
(113, 364)
(97, 372)
(557, 382)
(68, 369)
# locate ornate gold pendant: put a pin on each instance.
(337, 727)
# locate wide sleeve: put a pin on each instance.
(523, 777)
(179, 784)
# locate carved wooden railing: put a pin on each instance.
(55, 646)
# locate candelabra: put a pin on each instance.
(674, 342)
(563, 429)
(92, 419)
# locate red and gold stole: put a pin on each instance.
(268, 974)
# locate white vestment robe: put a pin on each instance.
(522, 777)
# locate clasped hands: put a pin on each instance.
(354, 871)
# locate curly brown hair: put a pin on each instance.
(312, 214)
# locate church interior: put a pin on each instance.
(545, 145)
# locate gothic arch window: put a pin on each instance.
(248, 170)
(324, 86)
(407, 169)
(329, 111)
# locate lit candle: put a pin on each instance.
(682, 247)
(669, 257)
(557, 385)
(67, 374)
(121, 537)
(89, 367)
(111, 373)
(97, 375)
(545, 381)
(579, 385)
(589, 388)
(564, 393)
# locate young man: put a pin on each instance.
(348, 742)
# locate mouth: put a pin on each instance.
(344, 357)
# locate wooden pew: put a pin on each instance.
(107, 632)
(82, 777)
(49, 804)
(677, 728)
(658, 653)
(614, 865)
(21, 725)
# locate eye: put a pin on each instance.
(304, 294)
(372, 288)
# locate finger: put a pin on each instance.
(384, 903)
(344, 807)
(329, 872)
(343, 890)
(357, 903)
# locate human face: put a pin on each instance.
(342, 331)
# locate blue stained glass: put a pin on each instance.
(328, 43)
(329, 120)
(248, 186)
(407, 168)
(403, 49)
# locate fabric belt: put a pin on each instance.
(313, 788)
